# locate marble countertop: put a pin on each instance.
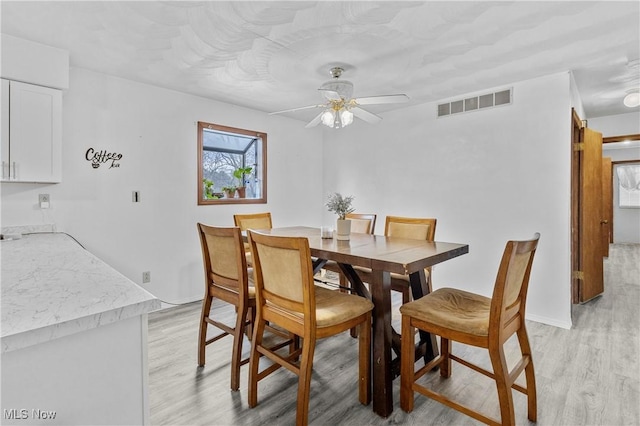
(52, 287)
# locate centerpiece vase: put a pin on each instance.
(343, 229)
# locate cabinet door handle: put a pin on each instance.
(14, 170)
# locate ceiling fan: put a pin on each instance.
(340, 107)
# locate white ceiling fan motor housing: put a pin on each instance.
(343, 88)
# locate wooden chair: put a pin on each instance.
(252, 221)
(478, 321)
(411, 228)
(287, 297)
(226, 278)
(363, 223)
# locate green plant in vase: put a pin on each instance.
(229, 191)
(240, 174)
(341, 206)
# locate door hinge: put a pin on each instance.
(578, 275)
(578, 146)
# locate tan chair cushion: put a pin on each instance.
(454, 309)
(334, 307)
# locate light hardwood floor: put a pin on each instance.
(588, 375)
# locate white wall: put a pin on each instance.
(155, 130)
(616, 125)
(487, 176)
(576, 99)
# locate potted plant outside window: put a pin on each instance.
(229, 191)
(341, 206)
(208, 189)
(240, 174)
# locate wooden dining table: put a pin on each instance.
(383, 255)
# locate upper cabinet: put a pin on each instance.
(31, 133)
(33, 77)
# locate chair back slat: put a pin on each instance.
(283, 273)
(363, 223)
(512, 282)
(253, 221)
(515, 277)
(410, 228)
(223, 257)
(360, 226)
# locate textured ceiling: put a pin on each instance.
(272, 56)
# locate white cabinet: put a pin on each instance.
(31, 133)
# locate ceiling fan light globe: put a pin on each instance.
(347, 117)
(632, 100)
(328, 118)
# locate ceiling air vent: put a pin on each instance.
(475, 103)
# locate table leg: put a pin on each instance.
(380, 289)
(354, 280)
(318, 264)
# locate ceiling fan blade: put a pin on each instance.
(315, 121)
(365, 115)
(297, 109)
(383, 99)
(331, 95)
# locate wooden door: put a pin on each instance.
(607, 205)
(590, 274)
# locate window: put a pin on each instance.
(232, 165)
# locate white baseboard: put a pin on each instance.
(550, 321)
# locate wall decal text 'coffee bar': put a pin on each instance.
(97, 158)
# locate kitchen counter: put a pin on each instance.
(73, 336)
(52, 287)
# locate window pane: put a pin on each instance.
(232, 165)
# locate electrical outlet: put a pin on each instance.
(43, 200)
(146, 277)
